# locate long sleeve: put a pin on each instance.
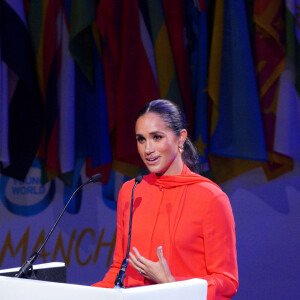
(110, 276)
(205, 245)
(220, 249)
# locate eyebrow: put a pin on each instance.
(152, 133)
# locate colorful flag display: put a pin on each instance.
(74, 74)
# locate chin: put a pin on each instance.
(154, 169)
(158, 171)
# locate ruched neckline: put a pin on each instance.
(186, 177)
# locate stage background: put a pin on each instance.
(74, 74)
(267, 227)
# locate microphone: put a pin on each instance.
(121, 275)
(22, 273)
(94, 178)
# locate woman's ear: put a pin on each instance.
(182, 137)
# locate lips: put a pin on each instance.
(151, 160)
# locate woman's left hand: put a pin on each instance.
(158, 272)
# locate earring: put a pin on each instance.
(180, 148)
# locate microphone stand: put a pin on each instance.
(119, 282)
(27, 266)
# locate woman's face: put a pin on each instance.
(158, 145)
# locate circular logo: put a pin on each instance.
(26, 198)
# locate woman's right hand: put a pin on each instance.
(158, 272)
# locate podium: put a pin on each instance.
(53, 271)
(26, 289)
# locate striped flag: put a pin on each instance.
(129, 79)
(287, 128)
(55, 68)
(237, 137)
(198, 53)
(239, 131)
(165, 64)
(25, 106)
(42, 23)
(201, 5)
(52, 70)
(215, 63)
(99, 151)
(66, 97)
(147, 43)
(269, 60)
(175, 19)
(82, 16)
(92, 141)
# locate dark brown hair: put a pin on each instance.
(175, 119)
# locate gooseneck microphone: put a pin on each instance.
(121, 275)
(23, 272)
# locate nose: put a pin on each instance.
(149, 148)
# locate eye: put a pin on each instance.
(140, 139)
(157, 137)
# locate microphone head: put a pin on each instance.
(138, 178)
(96, 177)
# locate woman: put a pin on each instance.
(182, 224)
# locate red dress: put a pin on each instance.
(191, 218)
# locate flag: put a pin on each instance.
(42, 24)
(99, 153)
(25, 106)
(108, 20)
(55, 67)
(66, 97)
(92, 141)
(269, 60)
(215, 63)
(287, 128)
(4, 130)
(239, 130)
(136, 84)
(129, 79)
(197, 36)
(165, 64)
(236, 130)
(175, 19)
(51, 71)
(82, 15)
(148, 46)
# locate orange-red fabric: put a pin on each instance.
(191, 218)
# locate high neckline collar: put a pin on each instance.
(186, 177)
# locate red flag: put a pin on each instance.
(269, 60)
(174, 11)
(129, 79)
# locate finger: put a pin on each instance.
(140, 258)
(137, 253)
(160, 255)
(137, 265)
(164, 264)
(159, 252)
(134, 261)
